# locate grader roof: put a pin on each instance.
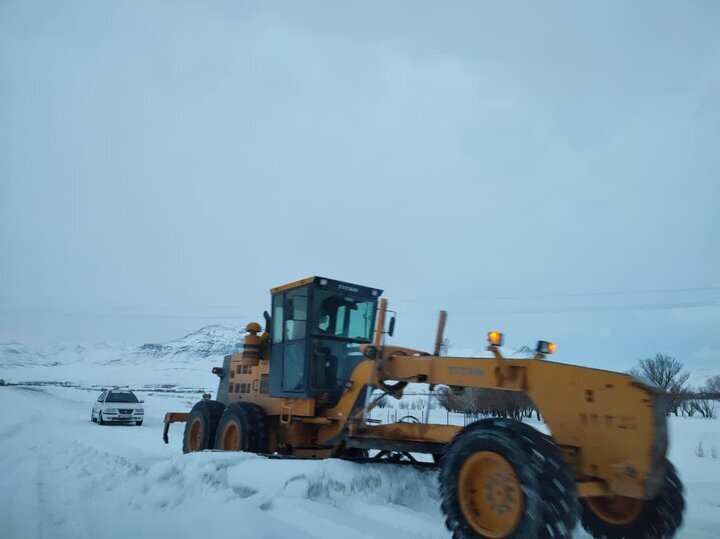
(331, 284)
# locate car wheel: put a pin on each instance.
(138, 423)
(100, 419)
(92, 416)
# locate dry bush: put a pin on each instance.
(489, 402)
(666, 372)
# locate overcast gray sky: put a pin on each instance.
(548, 169)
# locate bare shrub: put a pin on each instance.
(713, 385)
(666, 372)
(688, 409)
(705, 407)
(489, 402)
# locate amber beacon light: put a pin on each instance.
(495, 338)
(544, 347)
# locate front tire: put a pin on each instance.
(201, 425)
(138, 423)
(628, 518)
(100, 420)
(243, 427)
(501, 478)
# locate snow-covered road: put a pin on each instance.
(65, 477)
(62, 476)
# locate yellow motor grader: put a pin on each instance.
(305, 387)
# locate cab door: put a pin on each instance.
(288, 360)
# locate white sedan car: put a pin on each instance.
(118, 406)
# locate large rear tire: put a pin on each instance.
(628, 518)
(501, 478)
(201, 426)
(243, 427)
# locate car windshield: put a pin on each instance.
(121, 396)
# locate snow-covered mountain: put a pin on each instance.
(209, 341)
(184, 361)
(217, 340)
(15, 354)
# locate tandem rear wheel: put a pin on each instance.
(243, 427)
(201, 425)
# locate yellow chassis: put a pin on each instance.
(610, 427)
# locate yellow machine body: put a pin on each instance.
(610, 427)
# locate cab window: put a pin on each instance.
(295, 311)
(345, 317)
(278, 321)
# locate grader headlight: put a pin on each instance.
(495, 338)
(545, 347)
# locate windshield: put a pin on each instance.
(121, 396)
(341, 316)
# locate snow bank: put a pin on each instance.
(64, 476)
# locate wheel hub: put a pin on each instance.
(231, 437)
(490, 494)
(195, 437)
(499, 493)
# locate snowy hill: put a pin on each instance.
(209, 341)
(217, 340)
(15, 354)
(185, 361)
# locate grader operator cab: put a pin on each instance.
(316, 329)
(305, 387)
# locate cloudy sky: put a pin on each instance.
(548, 169)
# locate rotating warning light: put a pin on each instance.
(544, 347)
(495, 338)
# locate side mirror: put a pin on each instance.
(391, 327)
(268, 321)
(142, 400)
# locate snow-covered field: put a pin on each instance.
(65, 477)
(62, 476)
